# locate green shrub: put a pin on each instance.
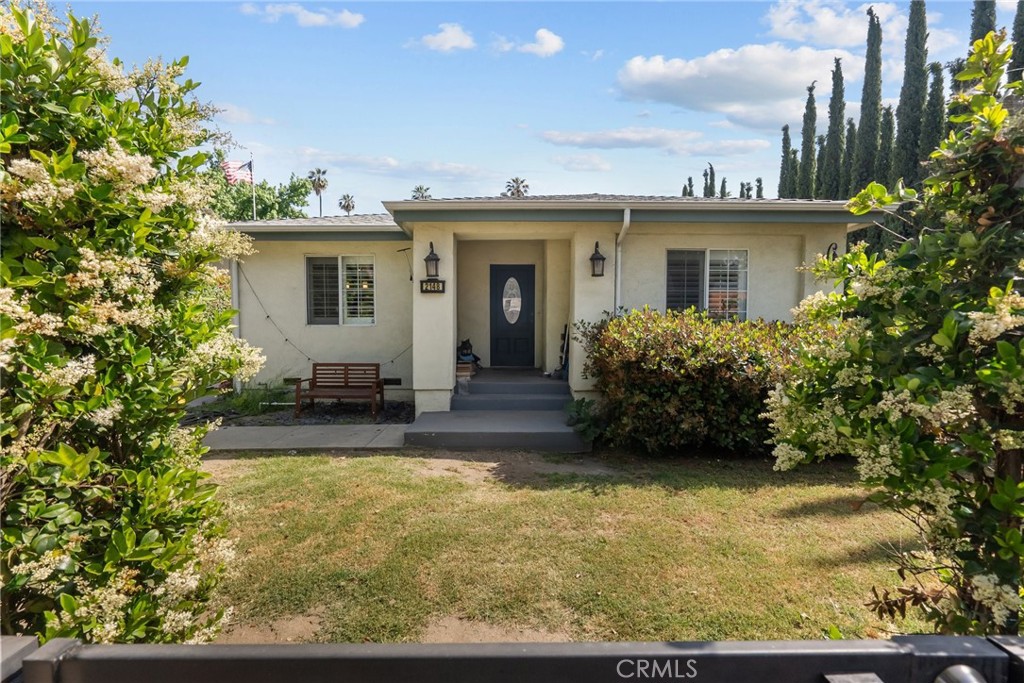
(112, 318)
(672, 380)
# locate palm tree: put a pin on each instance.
(347, 204)
(421, 192)
(318, 177)
(517, 187)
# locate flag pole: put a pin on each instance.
(252, 170)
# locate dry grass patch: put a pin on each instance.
(609, 549)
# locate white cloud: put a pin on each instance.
(233, 114)
(582, 162)
(593, 56)
(272, 13)
(759, 86)
(679, 142)
(450, 37)
(546, 43)
(390, 166)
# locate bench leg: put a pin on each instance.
(298, 400)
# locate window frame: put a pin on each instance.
(343, 316)
(705, 284)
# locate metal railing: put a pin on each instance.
(909, 659)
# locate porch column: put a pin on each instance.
(591, 296)
(433, 322)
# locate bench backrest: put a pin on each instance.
(327, 375)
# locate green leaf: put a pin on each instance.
(44, 243)
(142, 356)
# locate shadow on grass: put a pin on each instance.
(869, 553)
(837, 506)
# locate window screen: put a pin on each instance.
(685, 279)
(359, 290)
(727, 283)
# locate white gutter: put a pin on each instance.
(237, 320)
(618, 259)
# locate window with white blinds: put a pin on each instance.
(322, 290)
(359, 290)
(712, 280)
(340, 290)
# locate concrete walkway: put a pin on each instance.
(306, 437)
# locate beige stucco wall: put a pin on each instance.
(556, 299)
(775, 251)
(433, 324)
(277, 275)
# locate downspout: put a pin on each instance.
(237, 320)
(618, 260)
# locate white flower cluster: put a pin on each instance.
(989, 326)
(106, 604)
(932, 352)
(69, 374)
(948, 409)
(787, 457)
(105, 416)
(187, 442)
(40, 188)
(155, 74)
(807, 309)
(43, 568)
(224, 349)
(123, 170)
(1009, 439)
(111, 75)
(815, 425)
(940, 501)
(876, 461)
(24, 322)
(155, 200)
(192, 193)
(211, 235)
(130, 279)
(209, 632)
(1003, 600)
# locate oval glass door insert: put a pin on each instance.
(511, 300)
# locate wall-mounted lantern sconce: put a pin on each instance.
(832, 252)
(432, 260)
(597, 260)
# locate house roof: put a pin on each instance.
(611, 207)
(378, 227)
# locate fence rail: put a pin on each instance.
(910, 659)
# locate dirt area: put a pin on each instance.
(459, 630)
(291, 629)
(508, 466)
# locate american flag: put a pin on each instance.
(237, 171)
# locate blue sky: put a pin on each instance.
(574, 97)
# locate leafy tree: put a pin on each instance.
(347, 203)
(517, 187)
(883, 160)
(846, 171)
(784, 181)
(234, 202)
(760, 188)
(707, 190)
(112, 317)
(794, 171)
(926, 389)
(318, 179)
(906, 157)
(805, 179)
(688, 188)
(933, 124)
(831, 185)
(711, 181)
(421, 192)
(870, 108)
(723, 192)
(1015, 70)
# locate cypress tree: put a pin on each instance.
(833, 161)
(689, 186)
(706, 193)
(933, 125)
(863, 168)
(711, 180)
(760, 189)
(784, 163)
(819, 166)
(1015, 69)
(912, 100)
(722, 192)
(983, 19)
(846, 170)
(884, 158)
(805, 181)
(794, 172)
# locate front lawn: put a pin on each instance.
(430, 546)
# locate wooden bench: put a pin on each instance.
(342, 380)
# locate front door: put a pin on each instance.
(512, 316)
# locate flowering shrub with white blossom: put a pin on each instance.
(927, 390)
(113, 316)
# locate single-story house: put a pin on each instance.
(511, 275)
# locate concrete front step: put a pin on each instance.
(537, 430)
(510, 402)
(538, 386)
